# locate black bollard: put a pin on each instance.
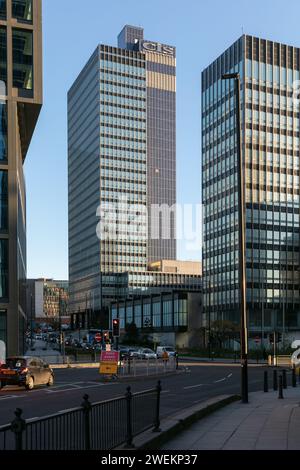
(266, 385)
(284, 382)
(294, 380)
(280, 392)
(275, 384)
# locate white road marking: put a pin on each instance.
(193, 386)
(166, 391)
(84, 387)
(221, 380)
(228, 376)
(11, 397)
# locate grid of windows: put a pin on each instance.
(123, 87)
(270, 121)
(165, 312)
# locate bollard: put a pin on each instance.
(284, 382)
(129, 437)
(177, 361)
(18, 426)
(266, 385)
(87, 408)
(280, 392)
(294, 379)
(275, 384)
(157, 415)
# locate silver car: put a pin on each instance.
(146, 353)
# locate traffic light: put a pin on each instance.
(106, 337)
(279, 337)
(116, 327)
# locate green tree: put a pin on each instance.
(132, 333)
(223, 330)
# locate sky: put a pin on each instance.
(201, 30)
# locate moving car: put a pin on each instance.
(160, 350)
(146, 353)
(26, 371)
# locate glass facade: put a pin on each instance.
(3, 131)
(3, 269)
(22, 59)
(22, 10)
(122, 155)
(3, 9)
(3, 200)
(3, 326)
(167, 312)
(270, 131)
(3, 62)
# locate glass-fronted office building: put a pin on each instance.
(270, 152)
(169, 318)
(121, 156)
(20, 104)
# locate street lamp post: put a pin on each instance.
(31, 322)
(209, 321)
(242, 269)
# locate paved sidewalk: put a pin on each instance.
(266, 423)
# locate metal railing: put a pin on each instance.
(148, 367)
(99, 426)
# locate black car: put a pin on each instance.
(26, 372)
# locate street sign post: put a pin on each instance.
(98, 337)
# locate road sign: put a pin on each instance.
(109, 362)
(98, 337)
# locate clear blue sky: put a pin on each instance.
(200, 29)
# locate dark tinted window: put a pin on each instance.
(3, 62)
(3, 200)
(4, 269)
(3, 131)
(22, 10)
(16, 363)
(3, 325)
(3, 9)
(22, 59)
(32, 363)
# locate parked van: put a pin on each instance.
(160, 350)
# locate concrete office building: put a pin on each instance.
(270, 152)
(122, 152)
(47, 300)
(20, 104)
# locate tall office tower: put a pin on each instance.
(270, 153)
(121, 120)
(20, 104)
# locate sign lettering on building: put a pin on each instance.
(150, 46)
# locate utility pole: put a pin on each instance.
(242, 264)
(209, 318)
(31, 321)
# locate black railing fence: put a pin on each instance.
(99, 426)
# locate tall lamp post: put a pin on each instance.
(242, 265)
